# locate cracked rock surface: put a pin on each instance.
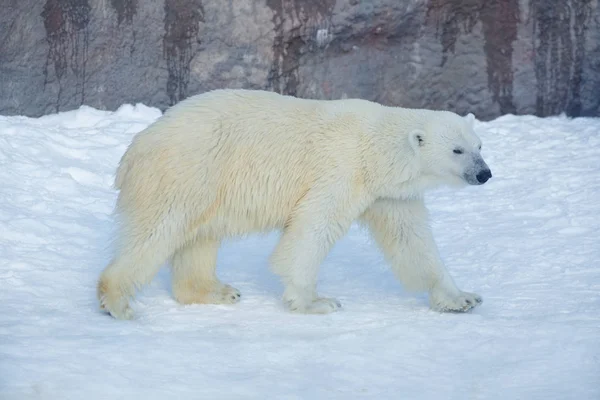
(487, 57)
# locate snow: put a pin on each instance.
(527, 241)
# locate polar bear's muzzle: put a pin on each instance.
(479, 174)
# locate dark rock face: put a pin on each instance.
(498, 19)
(67, 36)
(182, 23)
(489, 57)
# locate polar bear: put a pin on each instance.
(232, 162)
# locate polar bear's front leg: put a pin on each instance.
(401, 230)
(313, 228)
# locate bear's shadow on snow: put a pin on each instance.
(243, 263)
(356, 271)
(353, 271)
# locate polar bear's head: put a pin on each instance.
(450, 151)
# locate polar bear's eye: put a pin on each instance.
(458, 151)
(479, 147)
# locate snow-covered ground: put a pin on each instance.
(527, 241)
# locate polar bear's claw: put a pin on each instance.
(232, 294)
(224, 295)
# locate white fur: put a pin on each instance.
(232, 162)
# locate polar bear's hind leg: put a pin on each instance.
(194, 276)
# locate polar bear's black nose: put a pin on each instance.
(484, 175)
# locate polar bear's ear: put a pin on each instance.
(470, 118)
(416, 139)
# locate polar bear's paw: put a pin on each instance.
(113, 299)
(304, 300)
(219, 294)
(459, 302)
(117, 308)
(227, 295)
(321, 305)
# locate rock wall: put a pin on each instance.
(489, 57)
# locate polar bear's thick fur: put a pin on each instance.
(232, 162)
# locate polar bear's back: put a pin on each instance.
(246, 156)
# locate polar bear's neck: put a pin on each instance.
(391, 161)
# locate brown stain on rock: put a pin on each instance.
(294, 21)
(559, 43)
(499, 19)
(125, 9)
(451, 18)
(182, 19)
(67, 33)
